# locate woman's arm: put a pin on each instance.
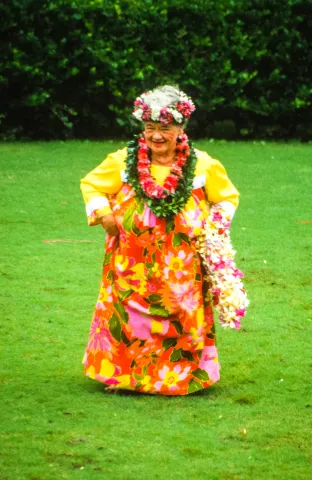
(96, 187)
(219, 188)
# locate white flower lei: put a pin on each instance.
(227, 291)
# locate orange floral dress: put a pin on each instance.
(153, 329)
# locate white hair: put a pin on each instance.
(163, 96)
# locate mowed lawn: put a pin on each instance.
(254, 424)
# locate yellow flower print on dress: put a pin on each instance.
(130, 275)
(107, 369)
(146, 383)
(160, 327)
(124, 381)
(155, 270)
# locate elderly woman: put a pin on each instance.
(153, 329)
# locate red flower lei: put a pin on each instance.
(147, 182)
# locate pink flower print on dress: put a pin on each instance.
(140, 324)
(178, 265)
(209, 363)
(186, 296)
(100, 337)
(170, 378)
(180, 297)
(194, 219)
(149, 218)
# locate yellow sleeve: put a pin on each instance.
(218, 186)
(104, 180)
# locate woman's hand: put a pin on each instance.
(109, 224)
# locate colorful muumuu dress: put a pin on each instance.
(153, 329)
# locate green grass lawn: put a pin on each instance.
(254, 424)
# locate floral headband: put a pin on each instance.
(176, 112)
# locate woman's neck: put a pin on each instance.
(163, 160)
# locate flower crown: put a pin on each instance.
(177, 112)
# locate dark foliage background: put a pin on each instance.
(73, 68)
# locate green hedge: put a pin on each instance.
(73, 68)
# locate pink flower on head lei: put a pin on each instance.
(177, 112)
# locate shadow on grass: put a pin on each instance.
(212, 393)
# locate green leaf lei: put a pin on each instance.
(171, 205)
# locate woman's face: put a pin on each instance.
(160, 138)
